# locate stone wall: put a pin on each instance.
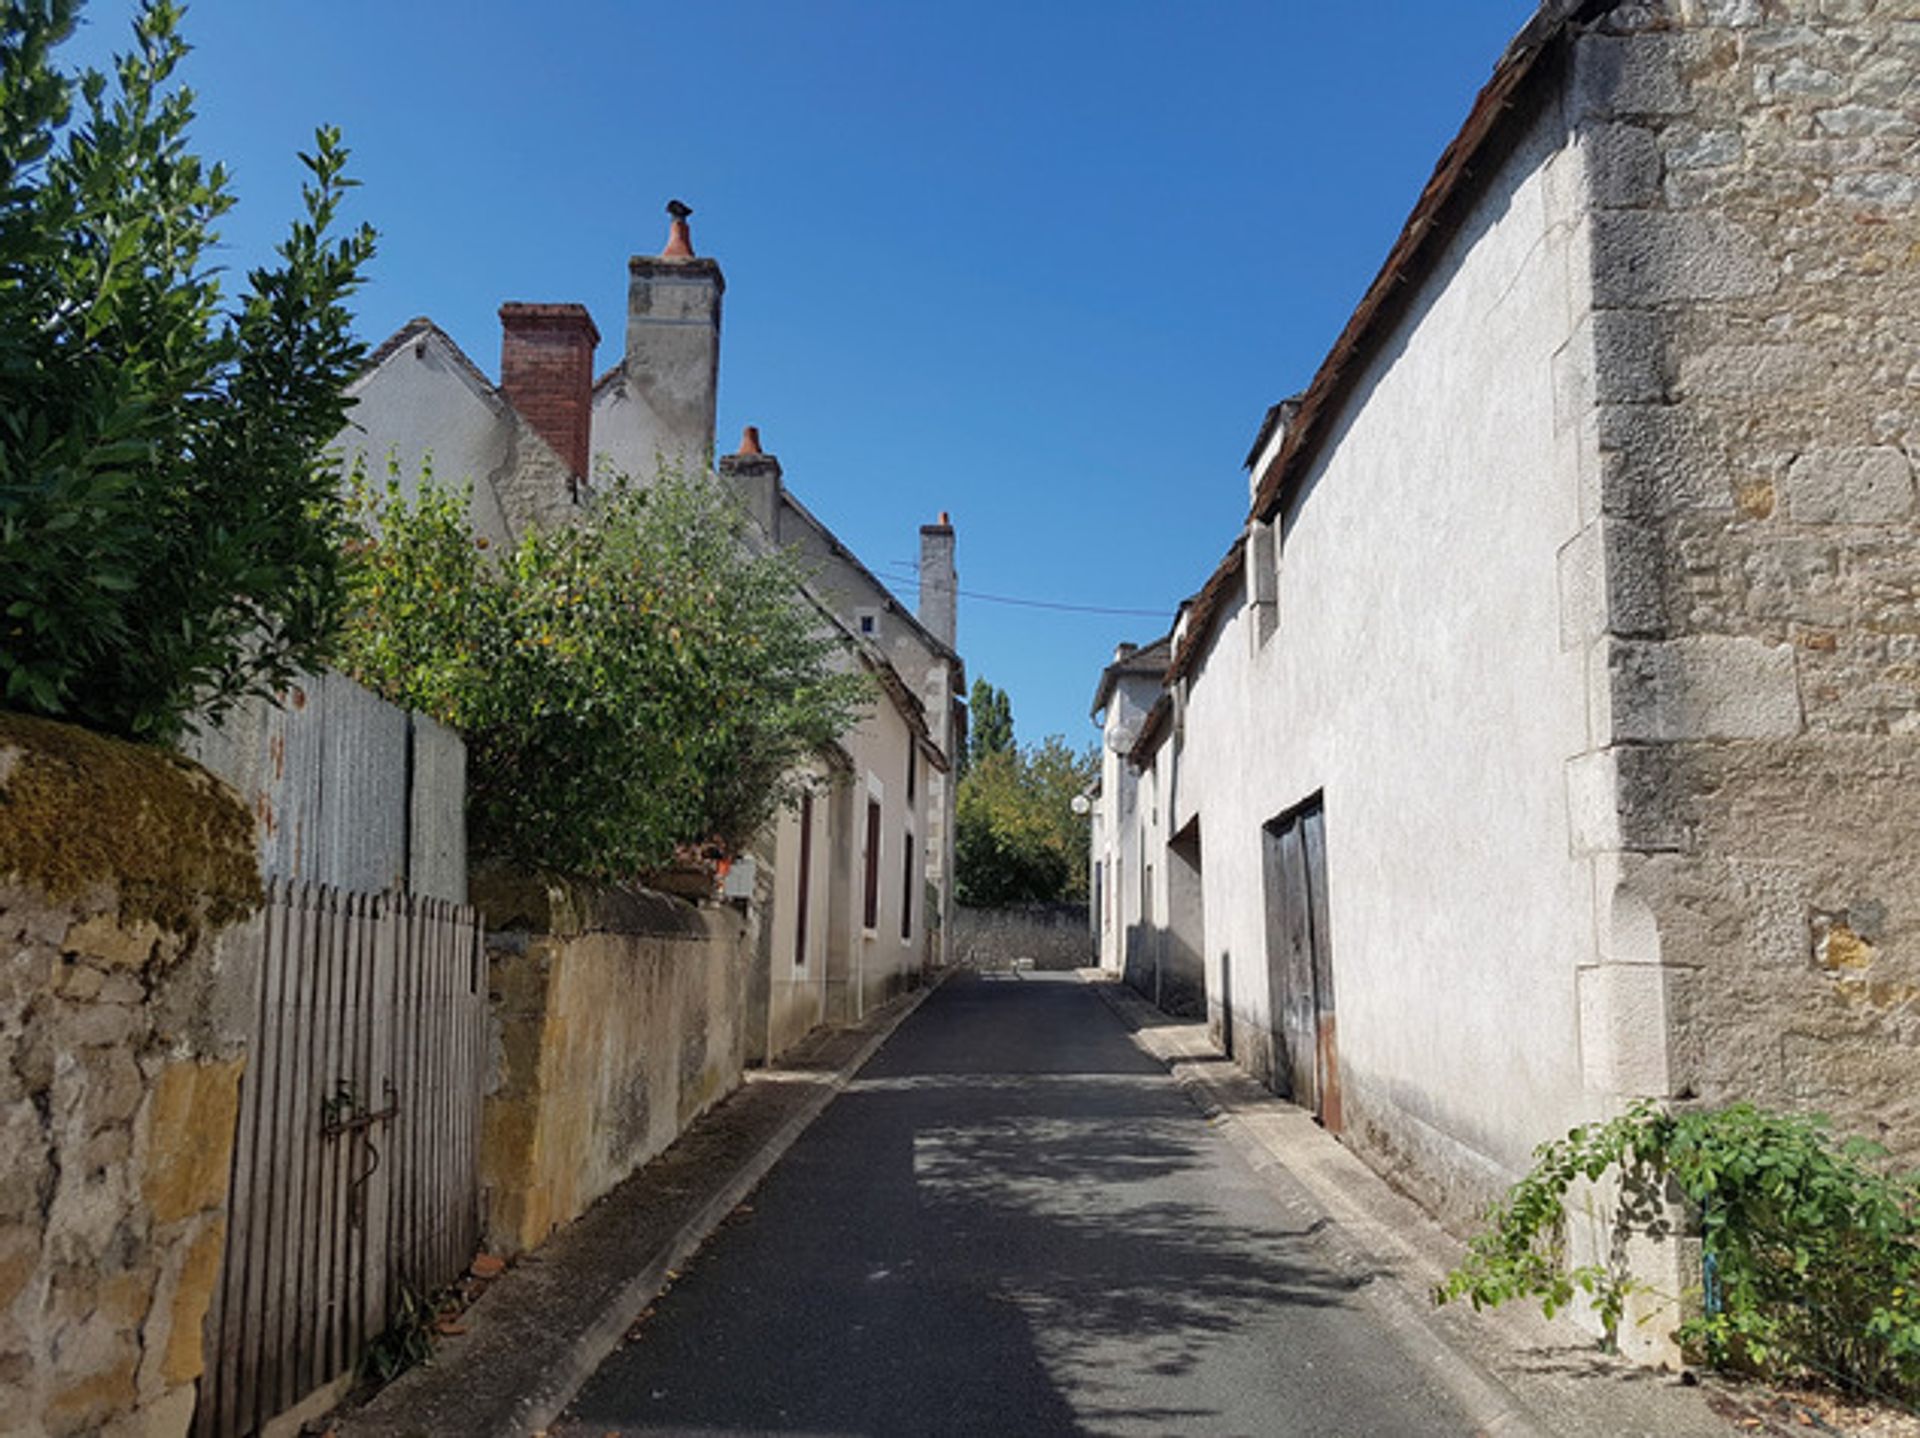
(1754, 193)
(127, 957)
(1052, 936)
(618, 1018)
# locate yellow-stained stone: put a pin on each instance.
(1841, 948)
(1756, 500)
(125, 1298)
(104, 938)
(190, 1138)
(185, 1359)
(87, 1401)
(18, 1260)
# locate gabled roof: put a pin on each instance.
(1433, 222)
(420, 328)
(1149, 661)
(840, 551)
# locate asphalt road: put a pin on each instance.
(1013, 1222)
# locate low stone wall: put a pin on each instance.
(618, 1017)
(127, 964)
(1053, 936)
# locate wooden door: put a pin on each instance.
(1300, 963)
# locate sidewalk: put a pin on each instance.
(543, 1327)
(1515, 1370)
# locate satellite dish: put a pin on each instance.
(1082, 805)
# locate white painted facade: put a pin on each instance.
(1413, 675)
(1555, 654)
(1396, 650)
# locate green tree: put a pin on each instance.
(627, 684)
(989, 722)
(169, 532)
(1017, 839)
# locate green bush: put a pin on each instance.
(1811, 1245)
(169, 533)
(1016, 837)
(625, 685)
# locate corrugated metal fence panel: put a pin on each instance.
(361, 833)
(355, 1170)
(437, 854)
(347, 789)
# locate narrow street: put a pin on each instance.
(1013, 1222)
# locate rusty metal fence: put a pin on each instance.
(356, 1165)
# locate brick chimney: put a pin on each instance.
(673, 341)
(546, 373)
(939, 582)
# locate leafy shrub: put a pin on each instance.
(634, 682)
(1016, 837)
(1812, 1247)
(169, 535)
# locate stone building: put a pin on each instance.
(1551, 731)
(860, 877)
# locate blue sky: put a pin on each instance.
(1041, 265)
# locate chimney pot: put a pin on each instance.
(679, 235)
(943, 517)
(750, 440)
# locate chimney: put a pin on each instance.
(673, 341)
(939, 582)
(754, 476)
(546, 373)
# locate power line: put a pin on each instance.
(1041, 603)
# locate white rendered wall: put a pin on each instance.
(421, 404)
(1417, 677)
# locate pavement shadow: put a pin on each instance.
(1011, 1223)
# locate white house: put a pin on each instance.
(859, 877)
(1551, 731)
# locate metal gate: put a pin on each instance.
(355, 1167)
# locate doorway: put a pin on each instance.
(1306, 1064)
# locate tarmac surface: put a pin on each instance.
(1014, 1221)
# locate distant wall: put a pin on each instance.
(1053, 936)
(618, 1018)
(347, 789)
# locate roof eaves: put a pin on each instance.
(1148, 661)
(1417, 238)
(1152, 733)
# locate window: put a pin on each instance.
(906, 886)
(871, 913)
(806, 882)
(913, 769)
(867, 621)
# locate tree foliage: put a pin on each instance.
(169, 531)
(989, 723)
(1017, 839)
(625, 685)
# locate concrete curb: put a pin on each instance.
(405, 1410)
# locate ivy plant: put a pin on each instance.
(1811, 1243)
